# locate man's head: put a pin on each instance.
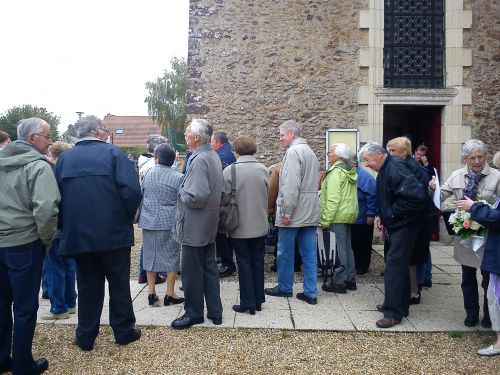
(373, 155)
(420, 151)
(36, 132)
(399, 147)
(218, 139)
(155, 140)
(4, 139)
(289, 131)
(88, 126)
(198, 132)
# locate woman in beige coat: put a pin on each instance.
(478, 181)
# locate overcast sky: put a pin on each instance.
(92, 56)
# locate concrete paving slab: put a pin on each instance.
(267, 318)
(366, 296)
(454, 269)
(311, 318)
(364, 320)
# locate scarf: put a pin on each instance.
(472, 184)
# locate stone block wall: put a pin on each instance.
(483, 76)
(254, 64)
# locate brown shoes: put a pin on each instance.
(387, 322)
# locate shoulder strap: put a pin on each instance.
(233, 183)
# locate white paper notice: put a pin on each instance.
(437, 191)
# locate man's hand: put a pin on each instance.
(432, 183)
(369, 220)
(286, 221)
(378, 224)
(424, 161)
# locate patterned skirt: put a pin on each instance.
(161, 253)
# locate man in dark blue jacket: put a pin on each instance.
(220, 143)
(100, 194)
(401, 207)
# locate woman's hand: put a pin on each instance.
(464, 204)
(432, 183)
(378, 224)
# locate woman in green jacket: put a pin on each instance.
(339, 210)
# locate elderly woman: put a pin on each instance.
(60, 272)
(248, 239)
(161, 251)
(477, 181)
(339, 210)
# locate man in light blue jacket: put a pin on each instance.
(297, 214)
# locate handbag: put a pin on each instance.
(228, 214)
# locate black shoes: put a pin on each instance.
(415, 300)
(276, 292)
(217, 321)
(86, 348)
(45, 295)
(172, 300)
(258, 306)
(307, 299)
(240, 309)
(153, 300)
(6, 365)
(351, 285)
(225, 271)
(486, 323)
(471, 322)
(134, 335)
(186, 321)
(334, 288)
(39, 366)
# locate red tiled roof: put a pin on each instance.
(135, 129)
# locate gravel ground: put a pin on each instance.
(243, 351)
(162, 350)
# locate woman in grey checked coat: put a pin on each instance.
(161, 251)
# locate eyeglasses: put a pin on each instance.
(48, 137)
(478, 157)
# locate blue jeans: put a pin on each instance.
(285, 258)
(45, 270)
(61, 281)
(424, 271)
(20, 276)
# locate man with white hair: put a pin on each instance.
(297, 214)
(198, 206)
(100, 195)
(29, 198)
(401, 209)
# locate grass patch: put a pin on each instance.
(107, 330)
(456, 334)
(150, 327)
(284, 335)
(111, 353)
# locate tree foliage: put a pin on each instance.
(69, 135)
(9, 120)
(167, 100)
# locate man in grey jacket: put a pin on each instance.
(297, 214)
(29, 200)
(198, 206)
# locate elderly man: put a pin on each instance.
(220, 143)
(401, 208)
(28, 218)
(198, 205)
(297, 214)
(100, 195)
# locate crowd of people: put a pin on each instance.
(79, 205)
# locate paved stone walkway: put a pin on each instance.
(441, 307)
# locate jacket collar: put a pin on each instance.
(297, 141)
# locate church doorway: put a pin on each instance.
(422, 124)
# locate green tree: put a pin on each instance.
(70, 134)
(8, 121)
(167, 100)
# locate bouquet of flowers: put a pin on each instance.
(472, 233)
(464, 226)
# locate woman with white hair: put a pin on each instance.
(339, 210)
(477, 181)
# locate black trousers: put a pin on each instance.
(397, 275)
(470, 292)
(361, 242)
(200, 280)
(250, 257)
(92, 269)
(224, 250)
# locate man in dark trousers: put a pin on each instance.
(198, 206)
(220, 143)
(401, 209)
(28, 218)
(100, 194)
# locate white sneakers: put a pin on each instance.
(489, 351)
